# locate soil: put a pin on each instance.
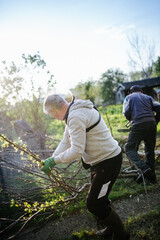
(128, 207)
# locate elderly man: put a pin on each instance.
(139, 109)
(87, 136)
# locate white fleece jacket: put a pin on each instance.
(94, 146)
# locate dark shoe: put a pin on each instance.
(114, 223)
(106, 232)
(151, 178)
(145, 173)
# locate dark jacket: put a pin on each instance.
(139, 108)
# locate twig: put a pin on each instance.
(24, 149)
(12, 237)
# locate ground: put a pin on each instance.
(126, 208)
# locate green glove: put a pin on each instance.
(47, 165)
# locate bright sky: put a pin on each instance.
(78, 39)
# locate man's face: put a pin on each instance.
(55, 113)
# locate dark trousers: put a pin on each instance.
(103, 176)
(142, 132)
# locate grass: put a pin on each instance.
(143, 227)
(126, 188)
(146, 226)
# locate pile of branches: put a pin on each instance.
(34, 195)
(30, 192)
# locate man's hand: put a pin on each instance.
(47, 165)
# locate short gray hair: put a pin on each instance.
(53, 101)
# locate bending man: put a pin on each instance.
(87, 136)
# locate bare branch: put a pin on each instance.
(141, 55)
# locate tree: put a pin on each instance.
(10, 84)
(88, 90)
(141, 56)
(40, 80)
(157, 67)
(23, 89)
(109, 82)
(31, 73)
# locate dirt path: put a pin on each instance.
(131, 206)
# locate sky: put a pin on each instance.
(78, 39)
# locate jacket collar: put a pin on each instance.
(67, 112)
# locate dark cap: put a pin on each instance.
(135, 88)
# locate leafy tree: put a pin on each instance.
(157, 67)
(24, 81)
(109, 82)
(88, 90)
(23, 89)
(41, 81)
(78, 90)
(135, 75)
(10, 84)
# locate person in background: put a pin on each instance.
(86, 136)
(139, 109)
